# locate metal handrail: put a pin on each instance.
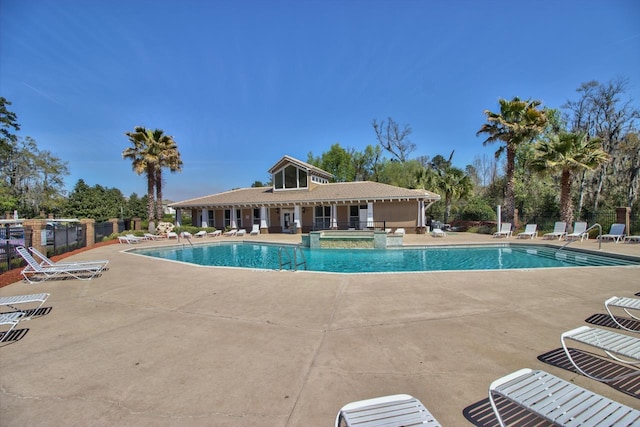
(586, 231)
(282, 250)
(292, 263)
(297, 250)
(184, 236)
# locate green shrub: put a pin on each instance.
(477, 210)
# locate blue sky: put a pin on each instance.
(239, 84)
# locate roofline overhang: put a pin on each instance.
(292, 203)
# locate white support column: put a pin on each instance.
(178, 217)
(370, 214)
(263, 218)
(421, 220)
(334, 216)
(297, 213)
(234, 224)
(204, 217)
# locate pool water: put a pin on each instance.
(452, 258)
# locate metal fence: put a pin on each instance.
(10, 239)
(62, 238)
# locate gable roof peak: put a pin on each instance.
(286, 159)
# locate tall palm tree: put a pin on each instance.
(169, 158)
(568, 153)
(518, 122)
(147, 154)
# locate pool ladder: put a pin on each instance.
(586, 231)
(285, 258)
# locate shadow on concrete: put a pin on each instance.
(481, 414)
(601, 319)
(597, 367)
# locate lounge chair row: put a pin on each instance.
(554, 399)
(564, 403)
(616, 233)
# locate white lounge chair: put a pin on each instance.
(47, 261)
(150, 236)
(625, 304)
(438, 232)
(559, 231)
(579, 229)
(215, 233)
(505, 230)
(32, 299)
(130, 239)
(231, 232)
(558, 401)
(11, 319)
(530, 232)
(619, 347)
(395, 410)
(172, 235)
(45, 272)
(634, 239)
(616, 233)
(400, 231)
(241, 232)
(201, 233)
(255, 230)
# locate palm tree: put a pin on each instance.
(442, 175)
(454, 183)
(568, 153)
(518, 122)
(169, 158)
(148, 152)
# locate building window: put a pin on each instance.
(277, 180)
(302, 178)
(239, 218)
(211, 222)
(322, 217)
(354, 216)
(256, 216)
(290, 178)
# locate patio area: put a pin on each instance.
(156, 343)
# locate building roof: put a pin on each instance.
(287, 160)
(337, 193)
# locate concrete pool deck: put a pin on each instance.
(155, 343)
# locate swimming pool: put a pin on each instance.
(408, 259)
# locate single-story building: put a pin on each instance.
(303, 199)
